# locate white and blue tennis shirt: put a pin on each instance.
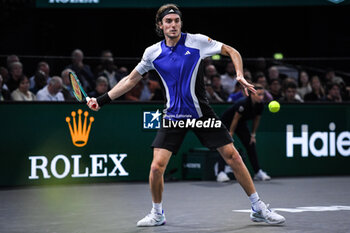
(178, 68)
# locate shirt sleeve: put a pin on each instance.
(145, 64)
(208, 46)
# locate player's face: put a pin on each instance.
(171, 26)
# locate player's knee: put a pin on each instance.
(234, 159)
(157, 169)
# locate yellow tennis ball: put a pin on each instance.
(274, 106)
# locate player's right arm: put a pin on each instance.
(127, 83)
(122, 87)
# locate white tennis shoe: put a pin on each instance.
(152, 219)
(222, 177)
(261, 175)
(264, 214)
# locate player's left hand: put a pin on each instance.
(247, 86)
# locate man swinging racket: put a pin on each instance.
(177, 59)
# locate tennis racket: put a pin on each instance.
(78, 90)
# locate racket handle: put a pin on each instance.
(88, 99)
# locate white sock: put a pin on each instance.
(157, 207)
(254, 199)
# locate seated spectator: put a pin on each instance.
(146, 94)
(153, 85)
(108, 69)
(228, 80)
(304, 84)
(4, 93)
(83, 71)
(331, 78)
(45, 69)
(67, 89)
(290, 92)
(5, 77)
(261, 79)
(52, 91)
(16, 72)
(22, 93)
(317, 93)
(215, 92)
(275, 89)
(333, 93)
(11, 59)
(156, 90)
(209, 71)
(273, 73)
(40, 81)
(237, 93)
(101, 87)
(135, 93)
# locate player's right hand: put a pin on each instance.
(246, 86)
(93, 105)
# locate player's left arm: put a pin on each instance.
(256, 122)
(236, 58)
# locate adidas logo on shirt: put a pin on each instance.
(187, 53)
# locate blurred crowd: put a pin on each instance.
(281, 83)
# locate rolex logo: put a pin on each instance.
(80, 133)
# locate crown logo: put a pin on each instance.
(80, 133)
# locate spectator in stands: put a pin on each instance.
(273, 73)
(331, 78)
(333, 93)
(154, 87)
(209, 71)
(40, 81)
(22, 93)
(45, 69)
(82, 70)
(304, 84)
(156, 90)
(135, 93)
(4, 93)
(16, 72)
(318, 93)
(214, 91)
(247, 74)
(290, 92)
(101, 87)
(11, 59)
(275, 89)
(228, 80)
(67, 90)
(236, 94)
(260, 78)
(5, 77)
(108, 69)
(52, 91)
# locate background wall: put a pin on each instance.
(41, 130)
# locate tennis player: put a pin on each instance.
(177, 59)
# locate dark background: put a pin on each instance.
(318, 31)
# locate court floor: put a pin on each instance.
(313, 204)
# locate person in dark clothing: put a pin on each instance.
(235, 119)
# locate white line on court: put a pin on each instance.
(305, 209)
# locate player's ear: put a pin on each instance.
(160, 25)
